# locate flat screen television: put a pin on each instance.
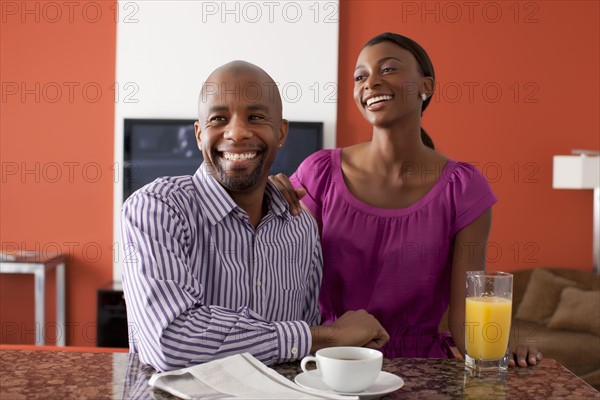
(167, 147)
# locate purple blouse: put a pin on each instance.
(395, 263)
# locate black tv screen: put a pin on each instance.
(168, 147)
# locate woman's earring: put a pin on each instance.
(423, 96)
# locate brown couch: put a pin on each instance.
(575, 347)
(570, 336)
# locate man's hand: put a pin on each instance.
(292, 196)
(524, 356)
(354, 328)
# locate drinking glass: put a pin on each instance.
(487, 320)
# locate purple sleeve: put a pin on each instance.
(472, 195)
(314, 176)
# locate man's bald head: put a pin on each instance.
(240, 126)
(240, 78)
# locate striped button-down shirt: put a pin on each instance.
(201, 282)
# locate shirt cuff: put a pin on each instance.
(293, 339)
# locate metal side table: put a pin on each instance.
(25, 262)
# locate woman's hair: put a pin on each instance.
(423, 61)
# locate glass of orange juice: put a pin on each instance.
(488, 309)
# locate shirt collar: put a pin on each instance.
(217, 203)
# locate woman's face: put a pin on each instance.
(388, 84)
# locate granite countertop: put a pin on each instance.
(27, 374)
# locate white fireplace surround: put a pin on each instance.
(166, 48)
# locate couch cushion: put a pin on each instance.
(541, 296)
(586, 280)
(578, 310)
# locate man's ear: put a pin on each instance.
(198, 131)
(283, 131)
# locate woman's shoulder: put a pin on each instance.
(463, 172)
(320, 163)
(466, 182)
(324, 156)
(315, 171)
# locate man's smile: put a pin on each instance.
(239, 156)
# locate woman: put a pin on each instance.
(400, 223)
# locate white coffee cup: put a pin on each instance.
(347, 369)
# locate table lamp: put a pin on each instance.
(581, 171)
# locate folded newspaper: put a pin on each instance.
(235, 377)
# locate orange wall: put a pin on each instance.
(56, 150)
(546, 49)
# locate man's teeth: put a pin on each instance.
(373, 100)
(238, 157)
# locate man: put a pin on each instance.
(220, 266)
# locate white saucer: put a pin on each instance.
(385, 383)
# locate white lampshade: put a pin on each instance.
(576, 172)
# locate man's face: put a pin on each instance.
(240, 128)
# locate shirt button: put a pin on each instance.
(258, 282)
(294, 351)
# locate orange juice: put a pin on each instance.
(487, 327)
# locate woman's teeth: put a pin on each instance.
(238, 157)
(377, 99)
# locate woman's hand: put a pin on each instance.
(524, 356)
(293, 196)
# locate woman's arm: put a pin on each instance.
(469, 255)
